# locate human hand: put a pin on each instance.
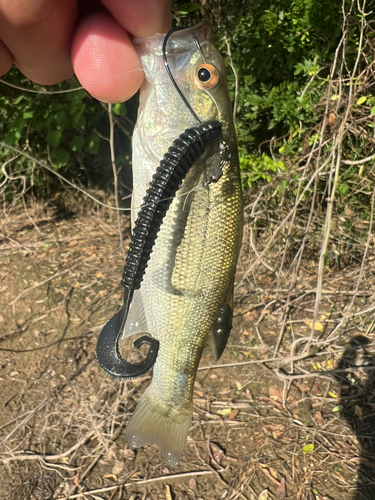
(49, 39)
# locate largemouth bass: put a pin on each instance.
(185, 299)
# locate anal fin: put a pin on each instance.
(136, 321)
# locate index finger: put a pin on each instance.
(141, 18)
(104, 58)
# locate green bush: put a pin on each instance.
(282, 50)
(66, 130)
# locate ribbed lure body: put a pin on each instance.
(190, 273)
(168, 177)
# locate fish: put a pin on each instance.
(185, 300)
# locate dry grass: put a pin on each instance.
(63, 419)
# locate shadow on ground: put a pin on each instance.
(358, 400)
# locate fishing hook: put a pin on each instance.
(186, 102)
(196, 41)
(224, 149)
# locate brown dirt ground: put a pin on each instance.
(253, 436)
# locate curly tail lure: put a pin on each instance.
(166, 181)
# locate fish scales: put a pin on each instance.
(191, 269)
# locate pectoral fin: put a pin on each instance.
(219, 336)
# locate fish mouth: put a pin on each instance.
(179, 45)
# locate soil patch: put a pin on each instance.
(255, 427)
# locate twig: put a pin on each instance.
(252, 244)
(355, 294)
(235, 76)
(42, 404)
(281, 374)
(56, 275)
(40, 458)
(270, 360)
(283, 222)
(170, 477)
(337, 163)
(358, 162)
(44, 458)
(62, 178)
(55, 342)
(327, 232)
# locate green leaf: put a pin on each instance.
(47, 122)
(337, 408)
(16, 131)
(53, 138)
(119, 109)
(187, 7)
(361, 100)
(82, 123)
(92, 146)
(373, 110)
(55, 106)
(10, 137)
(18, 99)
(77, 143)
(77, 112)
(59, 157)
(60, 116)
(76, 97)
(308, 448)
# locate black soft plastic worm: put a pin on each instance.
(166, 181)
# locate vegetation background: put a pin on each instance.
(296, 64)
(302, 78)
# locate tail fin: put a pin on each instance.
(155, 422)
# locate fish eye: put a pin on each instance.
(206, 77)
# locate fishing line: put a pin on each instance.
(43, 92)
(198, 187)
